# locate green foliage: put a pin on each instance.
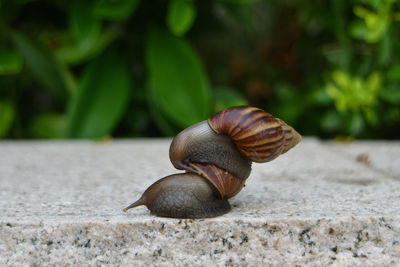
(356, 96)
(10, 61)
(177, 80)
(49, 126)
(226, 97)
(85, 38)
(129, 68)
(102, 97)
(180, 16)
(354, 93)
(114, 9)
(6, 116)
(374, 23)
(52, 75)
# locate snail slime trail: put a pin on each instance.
(217, 155)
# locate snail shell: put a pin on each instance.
(217, 155)
(227, 184)
(257, 134)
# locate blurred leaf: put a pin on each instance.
(385, 49)
(320, 97)
(102, 97)
(114, 9)
(159, 117)
(353, 93)
(394, 72)
(338, 57)
(374, 3)
(82, 22)
(290, 106)
(355, 124)
(177, 79)
(393, 114)
(50, 73)
(180, 16)
(240, 1)
(342, 79)
(391, 94)
(10, 61)
(49, 126)
(371, 116)
(373, 84)
(376, 22)
(226, 97)
(86, 39)
(366, 65)
(331, 121)
(7, 114)
(76, 52)
(396, 16)
(243, 14)
(358, 29)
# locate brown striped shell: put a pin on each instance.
(227, 184)
(256, 133)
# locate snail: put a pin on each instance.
(217, 155)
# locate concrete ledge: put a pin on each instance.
(319, 204)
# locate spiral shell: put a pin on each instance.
(226, 184)
(256, 133)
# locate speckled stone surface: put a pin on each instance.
(321, 203)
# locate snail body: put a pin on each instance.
(185, 195)
(217, 155)
(200, 143)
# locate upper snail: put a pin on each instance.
(216, 155)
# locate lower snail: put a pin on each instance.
(217, 155)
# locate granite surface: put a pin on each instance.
(321, 203)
